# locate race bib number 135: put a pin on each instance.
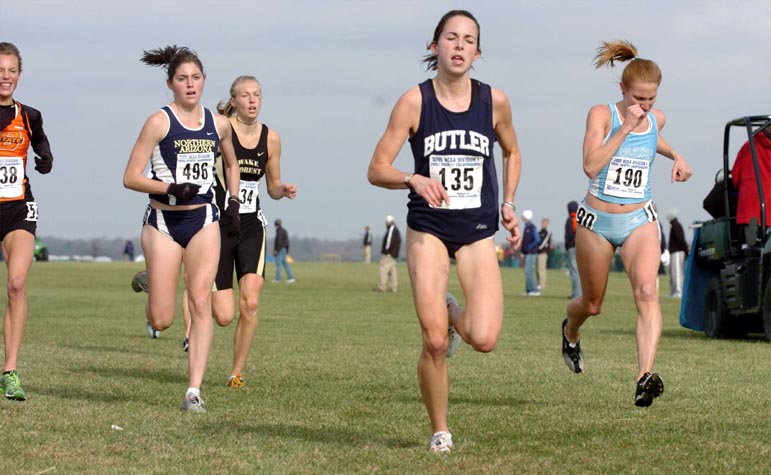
(461, 176)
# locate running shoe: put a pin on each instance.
(452, 334)
(186, 344)
(291, 281)
(152, 331)
(650, 386)
(12, 386)
(571, 353)
(441, 442)
(236, 381)
(193, 403)
(139, 282)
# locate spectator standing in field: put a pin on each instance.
(678, 250)
(21, 126)
(530, 241)
(367, 245)
(280, 252)
(452, 122)
(128, 251)
(544, 249)
(570, 250)
(392, 243)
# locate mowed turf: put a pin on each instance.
(331, 386)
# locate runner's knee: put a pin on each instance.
(16, 287)
(484, 344)
(436, 345)
(646, 293)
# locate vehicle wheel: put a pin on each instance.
(44, 255)
(767, 312)
(714, 322)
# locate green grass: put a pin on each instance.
(332, 387)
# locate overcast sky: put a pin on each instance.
(331, 72)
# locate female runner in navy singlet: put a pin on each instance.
(452, 122)
(181, 141)
(21, 126)
(258, 150)
(620, 143)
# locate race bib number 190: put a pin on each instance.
(627, 177)
(196, 168)
(461, 176)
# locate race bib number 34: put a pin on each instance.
(627, 177)
(461, 176)
(196, 168)
(11, 176)
(247, 195)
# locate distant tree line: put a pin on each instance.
(301, 249)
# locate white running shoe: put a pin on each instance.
(193, 403)
(441, 442)
(152, 331)
(452, 334)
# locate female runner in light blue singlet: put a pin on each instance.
(620, 143)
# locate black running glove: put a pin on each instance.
(232, 210)
(184, 192)
(44, 164)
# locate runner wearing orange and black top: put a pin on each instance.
(21, 126)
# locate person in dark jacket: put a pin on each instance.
(366, 248)
(280, 251)
(530, 241)
(392, 243)
(544, 249)
(570, 249)
(678, 249)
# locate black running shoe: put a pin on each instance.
(648, 387)
(572, 354)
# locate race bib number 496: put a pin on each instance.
(461, 176)
(196, 168)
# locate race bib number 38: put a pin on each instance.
(461, 176)
(11, 176)
(196, 168)
(627, 177)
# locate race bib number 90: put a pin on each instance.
(196, 168)
(627, 177)
(585, 218)
(11, 176)
(461, 176)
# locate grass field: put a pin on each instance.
(332, 387)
